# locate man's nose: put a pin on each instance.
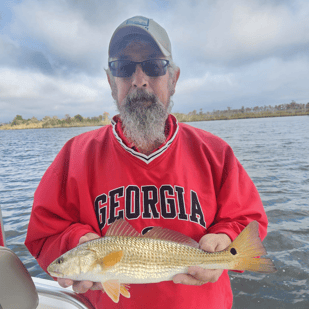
(140, 79)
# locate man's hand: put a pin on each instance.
(85, 285)
(197, 275)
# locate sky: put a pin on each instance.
(231, 53)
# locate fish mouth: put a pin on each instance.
(55, 273)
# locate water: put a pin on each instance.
(274, 152)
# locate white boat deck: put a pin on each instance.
(53, 296)
(19, 290)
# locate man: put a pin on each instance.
(149, 170)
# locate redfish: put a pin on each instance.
(123, 257)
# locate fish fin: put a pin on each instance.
(165, 234)
(247, 248)
(124, 290)
(121, 227)
(248, 243)
(108, 261)
(112, 289)
(111, 259)
(260, 265)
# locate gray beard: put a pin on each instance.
(143, 118)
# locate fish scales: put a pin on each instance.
(124, 256)
(147, 259)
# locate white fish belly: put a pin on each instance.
(138, 277)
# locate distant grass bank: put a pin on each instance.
(19, 123)
(41, 125)
(205, 117)
(282, 110)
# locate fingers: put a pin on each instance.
(84, 286)
(80, 286)
(214, 242)
(97, 286)
(198, 276)
(205, 275)
(65, 282)
(87, 237)
(186, 279)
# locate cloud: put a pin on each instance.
(38, 85)
(62, 33)
(8, 51)
(231, 53)
(77, 32)
(229, 32)
(270, 81)
(207, 82)
(37, 94)
(222, 32)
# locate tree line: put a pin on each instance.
(289, 109)
(54, 122)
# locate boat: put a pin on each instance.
(19, 290)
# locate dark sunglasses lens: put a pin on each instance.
(124, 68)
(121, 68)
(155, 67)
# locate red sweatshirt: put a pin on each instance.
(192, 184)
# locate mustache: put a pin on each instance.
(140, 96)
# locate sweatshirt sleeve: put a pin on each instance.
(55, 224)
(238, 201)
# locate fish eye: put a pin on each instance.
(60, 260)
(233, 251)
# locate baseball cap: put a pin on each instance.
(139, 26)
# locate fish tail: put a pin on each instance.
(260, 265)
(246, 250)
(248, 243)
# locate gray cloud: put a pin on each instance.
(236, 32)
(268, 82)
(231, 53)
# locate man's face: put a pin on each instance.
(160, 86)
(143, 101)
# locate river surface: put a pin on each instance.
(275, 153)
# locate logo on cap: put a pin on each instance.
(139, 20)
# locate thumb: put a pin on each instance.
(214, 242)
(208, 243)
(87, 237)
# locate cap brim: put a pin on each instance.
(115, 43)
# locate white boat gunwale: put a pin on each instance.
(51, 294)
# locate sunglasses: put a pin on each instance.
(126, 68)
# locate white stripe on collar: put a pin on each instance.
(141, 156)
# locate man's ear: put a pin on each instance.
(174, 81)
(113, 86)
(109, 79)
(177, 74)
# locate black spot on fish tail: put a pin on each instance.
(233, 251)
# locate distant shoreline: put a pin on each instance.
(195, 118)
(38, 126)
(26, 127)
(19, 123)
(180, 117)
